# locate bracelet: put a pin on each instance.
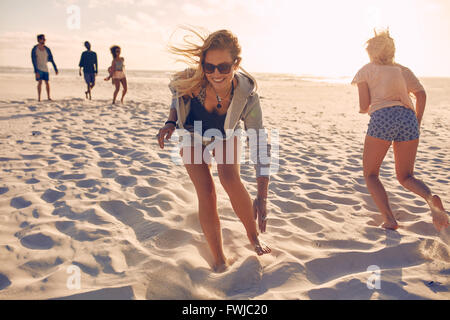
(170, 121)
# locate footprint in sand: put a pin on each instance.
(172, 239)
(31, 156)
(103, 152)
(42, 267)
(31, 181)
(287, 206)
(130, 216)
(69, 228)
(306, 224)
(38, 241)
(73, 176)
(126, 181)
(55, 174)
(94, 142)
(20, 203)
(106, 173)
(51, 196)
(68, 156)
(92, 271)
(88, 183)
(142, 172)
(4, 281)
(106, 164)
(105, 262)
(144, 192)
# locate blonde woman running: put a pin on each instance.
(384, 87)
(216, 95)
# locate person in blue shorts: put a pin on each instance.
(384, 88)
(88, 62)
(40, 56)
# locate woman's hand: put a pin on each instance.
(260, 212)
(165, 133)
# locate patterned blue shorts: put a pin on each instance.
(394, 124)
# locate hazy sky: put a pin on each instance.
(321, 37)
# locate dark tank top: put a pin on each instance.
(210, 120)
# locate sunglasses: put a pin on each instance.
(223, 68)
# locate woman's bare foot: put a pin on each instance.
(390, 223)
(221, 267)
(260, 247)
(440, 216)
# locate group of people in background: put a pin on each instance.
(41, 55)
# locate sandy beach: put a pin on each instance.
(84, 186)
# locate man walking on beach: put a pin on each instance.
(89, 64)
(40, 55)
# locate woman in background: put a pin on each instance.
(117, 73)
(384, 87)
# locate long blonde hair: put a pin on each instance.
(381, 48)
(192, 79)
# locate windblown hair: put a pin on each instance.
(113, 50)
(192, 79)
(381, 48)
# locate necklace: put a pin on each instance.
(219, 99)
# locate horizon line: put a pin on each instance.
(306, 75)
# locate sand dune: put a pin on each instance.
(83, 183)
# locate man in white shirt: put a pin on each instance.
(40, 56)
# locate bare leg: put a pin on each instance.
(229, 175)
(125, 88)
(116, 91)
(90, 90)
(207, 207)
(47, 87)
(39, 89)
(374, 152)
(405, 156)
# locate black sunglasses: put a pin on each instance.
(223, 68)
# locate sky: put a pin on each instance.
(317, 38)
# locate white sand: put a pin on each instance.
(91, 188)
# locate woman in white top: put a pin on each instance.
(384, 87)
(117, 73)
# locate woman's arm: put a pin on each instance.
(421, 99)
(111, 70)
(364, 97)
(172, 115)
(253, 120)
(169, 128)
